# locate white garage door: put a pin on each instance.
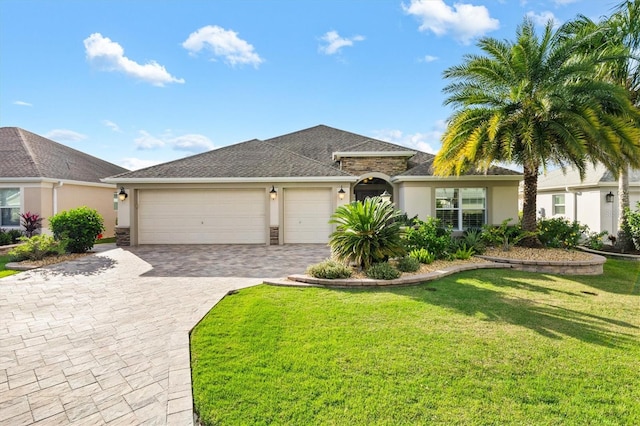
(201, 217)
(306, 215)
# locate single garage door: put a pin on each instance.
(201, 217)
(306, 215)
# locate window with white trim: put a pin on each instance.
(558, 204)
(9, 207)
(461, 208)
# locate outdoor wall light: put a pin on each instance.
(122, 195)
(273, 193)
(609, 197)
(386, 197)
(341, 193)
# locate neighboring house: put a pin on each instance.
(41, 176)
(284, 190)
(592, 202)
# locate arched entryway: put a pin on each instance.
(371, 187)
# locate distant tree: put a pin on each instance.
(534, 103)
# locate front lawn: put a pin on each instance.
(481, 347)
(4, 259)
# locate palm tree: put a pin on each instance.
(534, 103)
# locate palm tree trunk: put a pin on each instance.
(529, 209)
(623, 242)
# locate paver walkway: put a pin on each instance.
(101, 340)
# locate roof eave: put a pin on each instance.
(340, 154)
(269, 180)
(464, 178)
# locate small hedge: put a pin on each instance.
(329, 269)
(37, 248)
(383, 271)
(408, 264)
(80, 226)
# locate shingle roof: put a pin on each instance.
(593, 176)
(254, 158)
(425, 169)
(27, 155)
(305, 153)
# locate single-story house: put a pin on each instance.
(592, 201)
(284, 190)
(43, 177)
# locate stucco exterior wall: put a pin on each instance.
(70, 196)
(502, 203)
(415, 199)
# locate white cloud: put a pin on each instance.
(429, 58)
(190, 142)
(542, 18)
(113, 126)
(425, 142)
(109, 56)
(334, 42)
(564, 2)
(223, 43)
(64, 135)
(464, 21)
(22, 103)
(133, 163)
(146, 141)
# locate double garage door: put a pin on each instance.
(230, 216)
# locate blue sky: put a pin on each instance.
(142, 82)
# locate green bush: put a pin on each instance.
(329, 269)
(367, 232)
(422, 255)
(408, 264)
(560, 232)
(80, 226)
(430, 236)
(5, 238)
(15, 235)
(37, 248)
(474, 239)
(383, 271)
(632, 227)
(463, 252)
(505, 235)
(594, 240)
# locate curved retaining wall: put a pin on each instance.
(593, 266)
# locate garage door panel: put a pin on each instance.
(306, 215)
(202, 217)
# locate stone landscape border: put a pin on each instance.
(593, 266)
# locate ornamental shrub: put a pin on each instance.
(31, 223)
(80, 226)
(505, 235)
(559, 232)
(423, 255)
(632, 226)
(429, 235)
(408, 264)
(329, 269)
(15, 235)
(383, 271)
(367, 232)
(5, 238)
(594, 240)
(37, 248)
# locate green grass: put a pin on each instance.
(4, 259)
(482, 347)
(106, 240)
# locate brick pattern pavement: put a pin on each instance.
(95, 342)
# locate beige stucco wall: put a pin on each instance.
(99, 198)
(416, 198)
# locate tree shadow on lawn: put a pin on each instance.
(466, 294)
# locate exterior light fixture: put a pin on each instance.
(273, 193)
(386, 197)
(341, 193)
(122, 195)
(609, 197)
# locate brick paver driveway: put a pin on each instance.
(104, 339)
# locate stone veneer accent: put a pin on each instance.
(274, 235)
(123, 236)
(361, 165)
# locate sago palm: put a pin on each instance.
(367, 232)
(532, 102)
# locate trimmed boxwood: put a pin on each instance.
(79, 226)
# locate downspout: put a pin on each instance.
(55, 196)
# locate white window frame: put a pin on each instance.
(2, 207)
(459, 206)
(556, 205)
